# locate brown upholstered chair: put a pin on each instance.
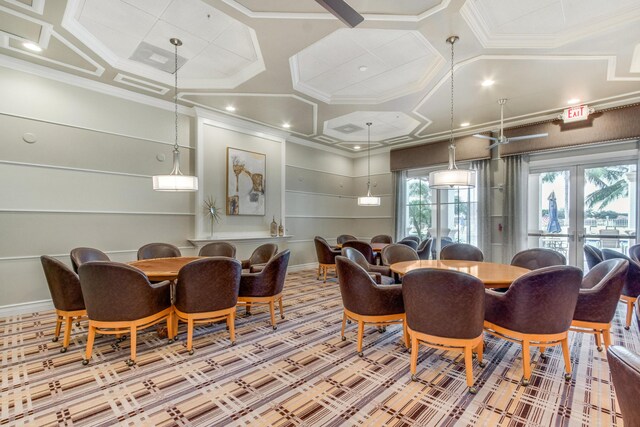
(326, 256)
(66, 294)
(537, 309)
(634, 253)
(625, 373)
(364, 248)
(260, 256)
(424, 249)
(444, 309)
(631, 288)
(598, 299)
(120, 300)
(535, 258)
(461, 251)
(396, 252)
(366, 302)
(409, 242)
(382, 238)
(207, 291)
(345, 238)
(593, 255)
(81, 255)
(380, 273)
(266, 286)
(218, 249)
(158, 250)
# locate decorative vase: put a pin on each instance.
(274, 228)
(280, 229)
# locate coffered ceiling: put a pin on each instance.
(290, 63)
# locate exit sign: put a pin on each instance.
(576, 114)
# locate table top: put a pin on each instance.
(158, 269)
(377, 247)
(493, 275)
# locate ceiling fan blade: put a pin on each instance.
(538, 135)
(477, 135)
(341, 10)
(495, 144)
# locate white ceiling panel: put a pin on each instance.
(385, 125)
(119, 16)
(161, 33)
(198, 18)
(237, 39)
(152, 7)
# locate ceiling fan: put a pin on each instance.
(503, 139)
(341, 10)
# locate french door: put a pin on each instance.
(588, 204)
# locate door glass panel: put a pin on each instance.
(419, 208)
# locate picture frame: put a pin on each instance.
(246, 179)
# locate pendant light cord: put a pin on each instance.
(452, 146)
(368, 159)
(175, 90)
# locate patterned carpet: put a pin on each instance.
(300, 375)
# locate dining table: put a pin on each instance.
(159, 269)
(493, 275)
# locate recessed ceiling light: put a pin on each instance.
(32, 46)
(465, 124)
(230, 108)
(286, 125)
(487, 83)
(356, 147)
(363, 68)
(573, 101)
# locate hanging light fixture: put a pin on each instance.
(369, 200)
(175, 181)
(452, 177)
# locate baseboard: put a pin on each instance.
(299, 267)
(26, 307)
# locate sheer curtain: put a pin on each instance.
(515, 205)
(399, 204)
(483, 191)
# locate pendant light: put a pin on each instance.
(175, 181)
(452, 177)
(369, 200)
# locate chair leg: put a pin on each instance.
(468, 367)
(344, 324)
(90, 338)
(56, 333)
(405, 333)
(190, 335)
(281, 308)
(170, 331)
(247, 309)
(134, 344)
(319, 270)
(232, 327)
(67, 333)
(360, 336)
(480, 352)
(607, 337)
(567, 358)
(526, 363)
(629, 314)
(325, 274)
(414, 356)
(598, 342)
(272, 312)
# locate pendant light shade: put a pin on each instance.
(452, 177)
(369, 200)
(175, 181)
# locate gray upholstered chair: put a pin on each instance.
(634, 253)
(537, 310)
(158, 250)
(218, 249)
(66, 295)
(414, 238)
(259, 257)
(424, 249)
(81, 255)
(631, 288)
(535, 258)
(382, 238)
(380, 273)
(444, 309)
(396, 252)
(364, 248)
(366, 302)
(409, 242)
(345, 238)
(593, 255)
(625, 373)
(461, 251)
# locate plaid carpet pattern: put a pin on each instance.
(302, 374)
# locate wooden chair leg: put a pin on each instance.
(190, 335)
(480, 352)
(567, 358)
(325, 274)
(171, 332)
(56, 333)
(90, 338)
(232, 327)
(360, 336)
(414, 356)
(67, 333)
(281, 308)
(344, 325)
(598, 343)
(272, 312)
(606, 333)
(526, 363)
(247, 309)
(134, 344)
(468, 366)
(629, 314)
(405, 333)
(319, 270)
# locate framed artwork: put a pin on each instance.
(245, 182)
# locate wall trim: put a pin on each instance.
(335, 173)
(70, 168)
(340, 196)
(338, 217)
(26, 307)
(215, 119)
(69, 211)
(123, 251)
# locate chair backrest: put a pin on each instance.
(363, 247)
(263, 253)
(63, 283)
(593, 255)
(414, 238)
(81, 255)
(637, 307)
(356, 256)
(269, 281)
(444, 303)
(625, 373)
(209, 284)
(538, 258)
(461, 251)
(409, 242)
(218, 249)
(634, 253)
(424, 249)
(543, 301)
(324, 252)
(345, 238)
(118, 292)
(158, 250)
(382, 238)
(600, 291)
(445, 241)
(631, 286)
(396, 253)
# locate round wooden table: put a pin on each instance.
(159, 269)
(493, 275)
